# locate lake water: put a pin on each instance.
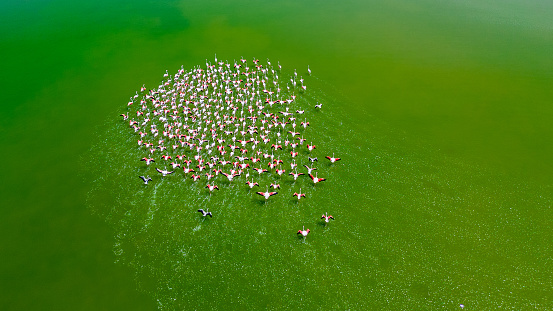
(440, 111)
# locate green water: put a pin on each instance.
(440, 110)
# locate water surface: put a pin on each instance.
(440, 110)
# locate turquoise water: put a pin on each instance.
(440, 111)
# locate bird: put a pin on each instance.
(145, 179)
(187, 170)
(251, 184)
(205, 213)
(308, 70)
(309, 169)
(148, 160)
(311, 147)
(333, 159)
(195, 177)
(312, 159)
(260, 170)
(327, 217)
(304, 232)
(230, 176)
(164, 172)
(299, 195)
(211, 187)
(319, 106)
(296, 175)
(266, 194)
(275, 186)
(315, 179)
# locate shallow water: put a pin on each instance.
(440, 111)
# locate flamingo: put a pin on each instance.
(327, 217)
(205, 213)
(195, 177)
(267, 194)
(260, 170)
(299, 195)
(230, 176)
(333, 159)
(147, 160)
(145, 179)
(304, 232)
(187, 170)
(164, 172)
(251, 184)
(296, 175)
(309, 169)
(315, 179)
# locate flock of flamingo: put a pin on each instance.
(225, 122)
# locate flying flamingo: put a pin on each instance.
(251, 184)
(211, 188)
(145, 179)
(230, 176)
(327, 217)
(164, 172)
(303, 232)
(333, 159)
(267, 194)
(309, 169)
(316, 179)
(148, 160)
(299, 195)
(205, 213)
(296, 175)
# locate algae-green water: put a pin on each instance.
(440, 111)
